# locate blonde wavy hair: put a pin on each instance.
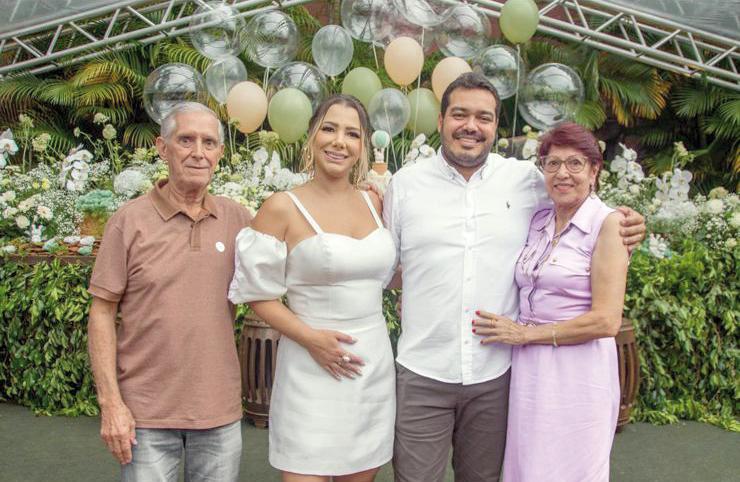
(362, 166)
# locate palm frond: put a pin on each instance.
(591, 114)
(184, 53)
(140, 134)
(691, 100)
(103, 94)
(57, 92)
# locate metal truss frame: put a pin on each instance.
(639, 35)
(65, 41)
(599, 24)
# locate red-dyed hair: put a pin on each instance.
(570, 134)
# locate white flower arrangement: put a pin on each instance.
(75, 170)
(131, 182)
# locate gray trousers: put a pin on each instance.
(211, 455)
(431, 416)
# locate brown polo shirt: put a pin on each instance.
(177, 365)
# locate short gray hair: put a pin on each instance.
(169, 123)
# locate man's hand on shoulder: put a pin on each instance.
(633, 228)
(117, 429)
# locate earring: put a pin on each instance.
(591, 192)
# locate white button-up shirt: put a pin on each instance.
(458, 242)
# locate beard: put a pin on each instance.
(464, 159)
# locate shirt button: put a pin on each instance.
(467, 342)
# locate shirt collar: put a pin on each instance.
(483, 171)
(581, 219)
(167, 209)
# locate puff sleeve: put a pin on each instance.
(259, 272)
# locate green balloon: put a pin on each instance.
(519, 19)
(288, 113)
(363, 83)
(424, 111)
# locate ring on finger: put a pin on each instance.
(346, 358)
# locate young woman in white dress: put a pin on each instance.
(333, 402)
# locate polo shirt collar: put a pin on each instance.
(167, 209)
(483, 171)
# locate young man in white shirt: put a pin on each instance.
(459, 221)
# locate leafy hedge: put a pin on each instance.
(685, 310)
(43, 338)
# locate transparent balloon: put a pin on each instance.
(170, 85)
(271, 39)
(425, 13)
(218, 30)
(224, 74)
(389, 24)
(389, 110)
(332, 49)
(361, 17)
(552, 93)
(499, 63)
(465, 33)
(302, 76)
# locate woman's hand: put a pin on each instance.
(498, 329)
(324, 347)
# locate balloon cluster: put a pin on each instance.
(406, 29)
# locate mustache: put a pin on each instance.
(465, 133)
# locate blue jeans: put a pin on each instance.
(210, 455)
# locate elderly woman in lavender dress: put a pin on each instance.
(564, 395)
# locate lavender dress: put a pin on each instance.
(564, 401)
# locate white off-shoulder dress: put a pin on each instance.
(319, 425)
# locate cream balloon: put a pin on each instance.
(447, 70)
(247, 104)
(403, 60)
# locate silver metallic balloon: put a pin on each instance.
(218, 30)
(552, 93)
(389, 110)
(169, 85)
(222, 75)
(464, 34)
(271, 39)
(425, 13)
(499, 63)
(332, 49)
(304, 77)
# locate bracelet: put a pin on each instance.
(554, 334)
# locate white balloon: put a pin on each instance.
(332, 49)
(389, 110)
(224, 74)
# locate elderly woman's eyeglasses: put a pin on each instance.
(572, 164)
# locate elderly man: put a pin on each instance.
(167, 376)
(459, 220)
